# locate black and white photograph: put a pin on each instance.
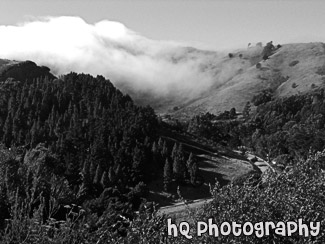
(162, 122)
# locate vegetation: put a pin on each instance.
(294, 63)
(74, 141)
(288, 196)
(268, 50)
(77, 155)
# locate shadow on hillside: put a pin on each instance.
(211, 177)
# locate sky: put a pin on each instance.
(213, 24)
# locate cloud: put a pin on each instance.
(161, 69)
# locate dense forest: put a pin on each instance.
(78, 146)
(77, 155)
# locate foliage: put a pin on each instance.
(74, 141)
(294, 63)
(263, 97)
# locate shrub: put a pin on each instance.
(268, 50)
(321, 70)
(293, 63)
(263, 97)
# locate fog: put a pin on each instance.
(132, 62)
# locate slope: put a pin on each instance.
(292, 69)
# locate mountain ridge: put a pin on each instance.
(236, 78)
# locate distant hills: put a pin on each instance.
(291, 69)
(236, 77)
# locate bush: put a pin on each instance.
(268, 50)
(293, 63)
(263, 97)
(321, 71)
(294, 85)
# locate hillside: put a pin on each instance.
(81, 162)
(205, 80)
(292, 69)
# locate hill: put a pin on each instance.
(290, 69)
(79, 159)
(22, 70)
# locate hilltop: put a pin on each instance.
(22, 70)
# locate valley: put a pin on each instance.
(242, 149)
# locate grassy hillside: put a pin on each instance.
(292, 69)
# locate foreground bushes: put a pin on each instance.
(298, 192)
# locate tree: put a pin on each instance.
(4, 205)
(111, 175)
(167, 175)
(263, 97)
(164, 151)
(268, 50)
(189, 163)
(194, 172)
(174, 151)
(7, 131)
(192, 168)
(98, 174)
(232, 113)
(179, 168)
(247, 110)
(104, 180)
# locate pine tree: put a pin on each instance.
(138, 164)
(92, 169)
(164, 151)
(4, 205)
(160, 144)
(167, 175)
(98, 174)
(179, 167)
(111, 175)
(174, 151)
(194, 173)
(104, 180)
(189, 163)
(246, 110)
(86, 177)
(7, 131)
(155, 154)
